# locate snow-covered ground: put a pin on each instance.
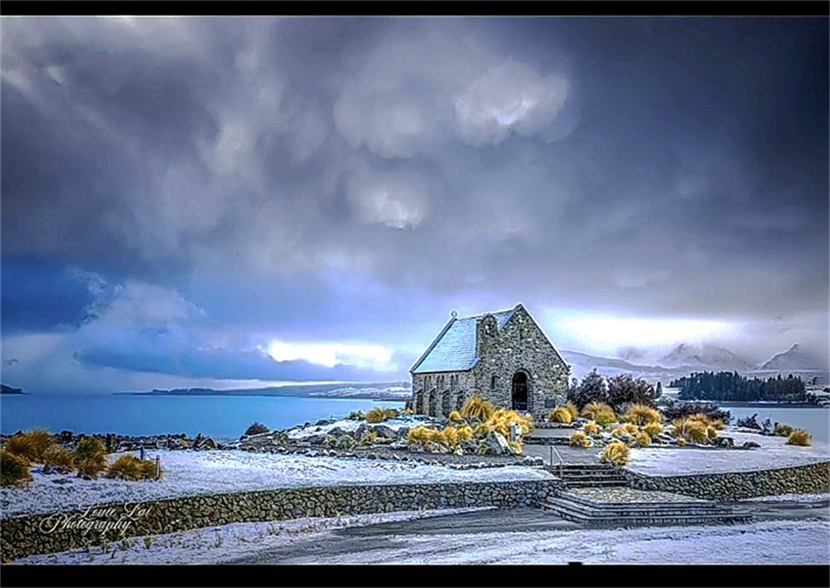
(799, 498)
(188, 473)
(350, 425)
(213, 545)
(773, 542)
(774, 453)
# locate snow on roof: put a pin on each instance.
(454, 349)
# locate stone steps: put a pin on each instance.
(586, 476)
(597, 514)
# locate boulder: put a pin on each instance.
(361, 431)
(750, 445)
(403, 432)
(336, 431)
(496, 444)
(318, 439)
(385, 431)
(725, 442)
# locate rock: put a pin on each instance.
(750, 445)
(361, 431)
(345, 443)
(384, 431)
(399, 444)
(458, 451)
(337, 431)
(496, 444)
(725, 442)
(321, 422)
(403, 432)
(318, 439)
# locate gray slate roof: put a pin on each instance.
(454, 349)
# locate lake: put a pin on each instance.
(216, 416)
(815, 421)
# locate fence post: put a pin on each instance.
(158, 467)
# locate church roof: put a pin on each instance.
(454, 349)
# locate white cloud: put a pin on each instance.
(332, 354)
(397, 200)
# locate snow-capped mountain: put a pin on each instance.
(793, 358)
(708, 356)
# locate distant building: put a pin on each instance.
(503, 356)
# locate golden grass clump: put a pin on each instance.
(501, 422)
(369, 439)
(616, 453)
(129, 467)
(618, 432)
(573, 409)
(481, 430)
(642, 440)
(475, 407)
(390, 413)
(90, 457)
(653, 429)
(800, 437)
(465, 433)
(690, 430)
(32, 445)
(784, 430)
(630, 428)
(376, 415)
(591, 428)
(59, 459)
(417, 436)
(579, 439)
(516, 446)
(560, 415)
(682, 442)
(711, 432)
(451, 438)
(640, 414)
(455, 417)
(592, 409)
(14, 470)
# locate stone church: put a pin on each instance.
(503, 356)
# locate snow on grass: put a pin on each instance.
(188, 473)
(214, 545)
(774, 453)
(774, 542)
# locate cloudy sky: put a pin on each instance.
(214, 201)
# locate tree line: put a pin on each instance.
(731, 386)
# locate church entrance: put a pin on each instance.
(520, 391)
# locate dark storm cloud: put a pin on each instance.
(339, 179)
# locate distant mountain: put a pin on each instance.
(9, 390)
(706, 356)
(366, 391)
(793, 358)
(582, 363)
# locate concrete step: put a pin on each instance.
(594, 483)
(589, 517)
(624, 510)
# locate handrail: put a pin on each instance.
(559, 457)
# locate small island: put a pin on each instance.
(9, 390)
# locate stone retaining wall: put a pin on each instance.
(729, 486)
(37, 534)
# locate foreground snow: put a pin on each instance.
(799, 498)
(774, 542)
(188, 473)
(774, 453)
(212, 545)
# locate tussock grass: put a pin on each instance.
(630, 428)
(653, 429)
(640, 414)
(14, 470)
(455, 417)
(91, 467)
(502, 420)
(378, 415)
(592, 409)
(32, 445)
(642, 440)
(617, 454)
(618, 432)
(465, 433)
(560, 415)
(573, 409)
(690, 430)
(784, 430)
(90, 457)
(516, 446)
(369, 439)
(800, 437)
(481, 430)
(59, 459)
(591, 428)
(475, 407)
(129, 467)
(579, 439)
(711, 432)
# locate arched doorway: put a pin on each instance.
(520, 391)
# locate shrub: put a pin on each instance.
(14, 469)
(455, 417)
(475, 407)
(579, 439)
(345, 443)
(640, 414)
(800, 437)
(591, 428)
(59, 459)
(357, 415)
(689, 429)
(616, 453)
(642, 439)
(129, 467)
(784, 430)
(32, 445)
(653, 429)
(712, 412)
(376, 415)
(256, 429)
(573, 409)
(560, 415)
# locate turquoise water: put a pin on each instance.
(216, 416)
(815, 421)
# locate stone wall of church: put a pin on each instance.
(440, 393)
(520, 346)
